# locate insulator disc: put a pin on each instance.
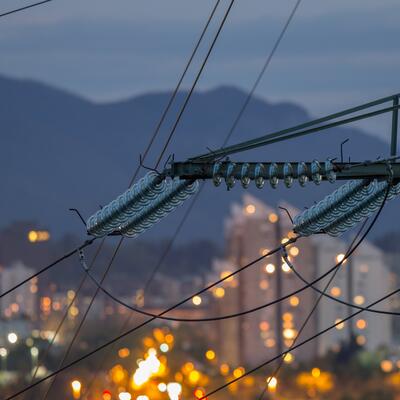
(273, 175)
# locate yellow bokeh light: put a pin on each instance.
(289, 333)
(224, 275)
(224, 369)
(264, 284)
(196, 300)
(264, 325)
(386, 365)
(336, 291)
(272, 383)
(359, 300)
(210, 355)
(361, 324)
(294, 301)
(194, 377)
(339, 325)
(169, 338)
(162, 387)
(270, 268)
(270, 342)
(361, 340)
(264, 251)
(284, 240)
(127, 396)
(287, 316)
(124, 352)
(250, 209)
(188, 367)
(219, 292)
(285, 267)
(76, 388)
(294, 251)
(316, 372)
(238, 372)
(32, 236)
(288, 358)
(273, 218)
(340, 257)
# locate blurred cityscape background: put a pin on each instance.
(82, 85)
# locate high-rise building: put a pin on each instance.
(21, 302)
(252, 229)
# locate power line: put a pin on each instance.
(71, 343)
(54, 263)
(60, 324)
(228, 316)
(24, 8)
(336, 299)
(309, 315)
(195, 82)
(176, 90)
(137, 327)
(320, 333)
(188, 96)
(245, 104)
(262, 72)
(122, 335)
(349, 252)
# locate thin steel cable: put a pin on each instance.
(182, 110)
(44, 355)
(137, 327)
(227, 316)
(154, 271)
(24, 8)
(77, 331)
(349, 253)
(176, 90)
(337, 300)
(309, 315)
(53, 264)
(254, 87)
(277, 357)
(191, 90)
(262, 72)
(145, 154)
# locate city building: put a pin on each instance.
(21, 302)
(254, 228)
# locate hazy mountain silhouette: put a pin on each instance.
(59, 150)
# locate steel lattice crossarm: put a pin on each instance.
(315, 171)
(347, 116)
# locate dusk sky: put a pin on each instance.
(335, 53)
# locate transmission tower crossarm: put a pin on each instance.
(282, 169)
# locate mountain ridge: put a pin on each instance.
(61, 150)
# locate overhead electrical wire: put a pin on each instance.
(243, 108)
(182, 110)
(311, 338)
(309, 315)
(44, 355)
(169, 138)
(77, 331)
(262, 72)
(187, 97)
(110, 342)
(137, 327)
(24, 8)
(348, 254)
(53, 264)
(336, 299)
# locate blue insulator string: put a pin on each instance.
(344, 208)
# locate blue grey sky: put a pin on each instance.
(336, 53)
